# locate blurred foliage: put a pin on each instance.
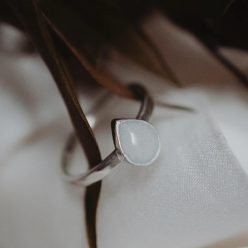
(94, 27)
(222, 22)
(90, 27)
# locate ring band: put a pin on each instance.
(136, 142)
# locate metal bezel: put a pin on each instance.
(116, 140)
(114, 125)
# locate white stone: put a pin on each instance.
(138, 141)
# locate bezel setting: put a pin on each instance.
(116, 124)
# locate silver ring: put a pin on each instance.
(136, 141)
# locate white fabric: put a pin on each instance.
(196, 195)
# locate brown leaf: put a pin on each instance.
(32, 20)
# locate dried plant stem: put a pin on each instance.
(92, 192)
(31, 19)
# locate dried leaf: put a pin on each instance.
(30, 16)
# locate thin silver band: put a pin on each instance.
(114, 158)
